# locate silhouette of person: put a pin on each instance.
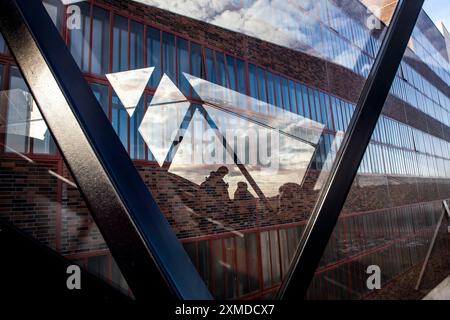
(288, 199)
(244, 201)
(214, 192)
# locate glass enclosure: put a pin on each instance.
(233, 115)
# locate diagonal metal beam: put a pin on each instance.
(335, 190)
(141, 240)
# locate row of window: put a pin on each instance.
(347, 280)
(424, 86)
(419, 93)
(357, 233)
(380, 159)
(336, 37)
(352, 30)
(413, 152)
(434, 60)
(235, 266)
(409, 94)
(400, 135)
(384, 160)
(336, 19)
(173, 56)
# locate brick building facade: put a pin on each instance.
(390, 211)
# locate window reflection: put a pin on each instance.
(120, 44)
(25, 129)
(100, 41)
(80, 39)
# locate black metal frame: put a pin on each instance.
(141, 240)
(335, 190)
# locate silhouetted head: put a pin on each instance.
(242, 185)
(222, 171)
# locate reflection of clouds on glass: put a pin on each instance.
(187, 161)
(163, 118)
(289, 23)
(129, 86)
(268, 115)
(24, 117)
(284, 140)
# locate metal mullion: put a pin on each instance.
(140, 238)
(334, 193)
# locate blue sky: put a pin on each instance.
(438, 10)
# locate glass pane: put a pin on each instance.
(100, 41)
(395, 203)
(55, 9)
(233, 121)
(120, 44)
(2, 45)
(80, 37)
(37, 190)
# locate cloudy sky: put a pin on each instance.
(439, 10)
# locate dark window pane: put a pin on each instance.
(252, 262)
(101, 93)
(221, 73)
(2, 45)
(275, 257)
(197, 68)
(204, 261)
(100, 41)
(231, 73)
(317, 106)
(210, 65)
(196, 60)
(241, 261)
(137, 145)
(265, 259)
(270, 88)
(154, 54)
(285, 92)
(312, 108)
(169, 55)
(98, 265)
(183, 65)
(306, 108)
(80, 38)
(120, 120)
(240, 65)
(262, 85)
(299, 97)
(278, 91)
(136, 45)
(292, 99)
(230, 268)
(120, 41)
(253, 82)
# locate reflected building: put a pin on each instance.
(233, 116)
